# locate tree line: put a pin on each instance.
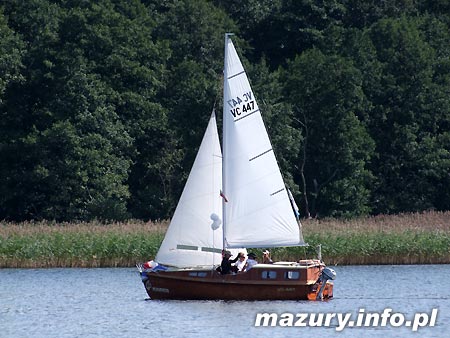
(103, 103)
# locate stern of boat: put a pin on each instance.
(326, 294)
(323, 288)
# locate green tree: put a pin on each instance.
(86, 111)
(279, 119)
(116, 39)
(364, 13)
(410, 117)
(23, 113)
(11, 50)
(84, 163)
(280, 30)
(195, 33)
(327, 95)
(103, 103)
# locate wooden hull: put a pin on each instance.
(262, 282)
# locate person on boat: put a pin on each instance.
(150, 265)
(153, 266)
(241, 262)
(251, 261)
(266, 257)
(225, 266)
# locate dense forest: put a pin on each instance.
(103, 103)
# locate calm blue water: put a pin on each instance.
(112, 303)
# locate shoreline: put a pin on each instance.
(416, 238)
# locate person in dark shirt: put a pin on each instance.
(225, 266)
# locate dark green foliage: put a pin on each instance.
(11, 50)
(410, 116)
(103, 103)
(194, 31)
(326, 92)
(73, 128)
(279, 118)
(282, 29)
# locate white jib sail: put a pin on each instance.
(193, 237)
(258, 212)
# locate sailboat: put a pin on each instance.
(233, 201)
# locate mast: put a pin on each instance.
(225, 76)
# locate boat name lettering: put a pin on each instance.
(162, 290)
(286, 289)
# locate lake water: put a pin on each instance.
(113, 303)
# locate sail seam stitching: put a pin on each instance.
(276, 192)
(260, 154)
(187, 247)
(243, 117)
(243, 72)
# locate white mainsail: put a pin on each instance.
(258, 212)
(191, 239)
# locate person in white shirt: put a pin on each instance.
(241, 262)
(266, 257)
(251, 261)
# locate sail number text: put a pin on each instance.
(242, 105)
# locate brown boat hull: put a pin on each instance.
(263, 282)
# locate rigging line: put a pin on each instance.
(220, 91)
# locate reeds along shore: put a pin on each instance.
(418, 238)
